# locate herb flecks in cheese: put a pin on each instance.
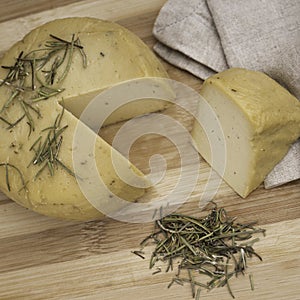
(260, 120)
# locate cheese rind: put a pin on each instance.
(260, 119)
(113, 55)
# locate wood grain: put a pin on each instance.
(44, 258)
(18, 8)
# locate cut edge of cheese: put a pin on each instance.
(59, 195)
(260, 120)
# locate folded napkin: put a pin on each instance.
(209, 36)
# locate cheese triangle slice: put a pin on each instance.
(259, 118)
(111, 55)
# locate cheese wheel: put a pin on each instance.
(259, 118)
(65, 63)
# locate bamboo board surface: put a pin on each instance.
(44, 258)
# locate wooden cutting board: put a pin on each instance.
(44, 258)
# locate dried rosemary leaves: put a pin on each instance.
(209, 251)
(36, 74)
(8, 167)
(34, 77)
(46, 149)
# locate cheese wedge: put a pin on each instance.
(259, 119)
(84, 56)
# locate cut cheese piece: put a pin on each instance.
(135, 91)
(259, 118)
(113, 55)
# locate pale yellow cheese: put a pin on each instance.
(259, 118)
(113, 55)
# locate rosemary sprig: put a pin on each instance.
(46, 148)
(5, 121)
(50, 75)
(30, 121)
(83, 55)
(139, 254)
(13, 167)
(32, 65)
(16, 72)
(198, 294)
(251, 282)
(9, 101)
(204, 247)
(45, 93)
(70, 47)
(30, 74)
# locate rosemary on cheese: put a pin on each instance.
(37, 76)
(46, 148)
(7, 167)
(34, 77)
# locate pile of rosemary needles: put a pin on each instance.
(208, 251)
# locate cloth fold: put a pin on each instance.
(208, 36)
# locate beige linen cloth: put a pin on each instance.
(209, 36)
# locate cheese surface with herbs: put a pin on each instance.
(55, 66)
(259, 119)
